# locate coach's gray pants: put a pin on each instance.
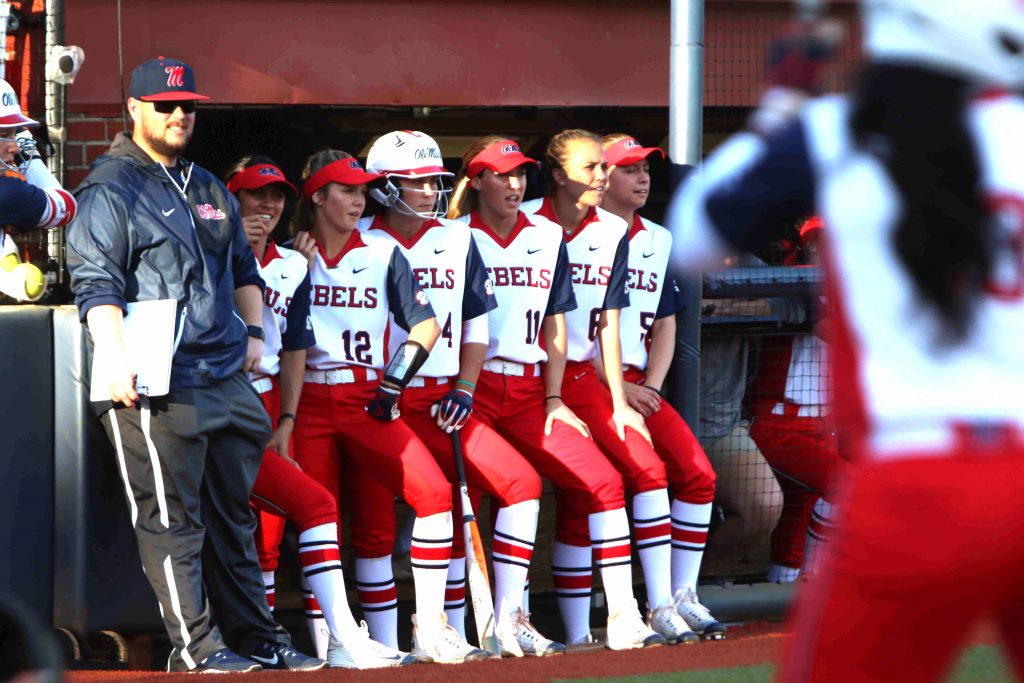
(188, 461)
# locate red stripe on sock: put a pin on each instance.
(691, 537)
(646, 533)
(378, 596)
(567, 582)
(310, 604)
(431, 553)
(614, 552)
(455, 594)
(516, 551)
(308, 557)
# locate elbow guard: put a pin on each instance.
(406, 362)
(60, 209)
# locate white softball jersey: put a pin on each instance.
(598, 261)
(530, 274)
(354, 295)
(448, 268)
(287, 324)
(652, 293)
(895, 384)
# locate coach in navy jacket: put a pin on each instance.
(154, 226)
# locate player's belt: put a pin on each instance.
(793, 410)
(418, 381)
(262, 384)
(341, 375)
(509, 367)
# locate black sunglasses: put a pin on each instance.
(168, 106)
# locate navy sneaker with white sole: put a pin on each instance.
(271, 654)
(223, 661)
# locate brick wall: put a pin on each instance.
(89, 135)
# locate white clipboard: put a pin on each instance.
(151, 336)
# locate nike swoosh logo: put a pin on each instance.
(533, 251)
(649, 255)
(263, 660)
(168, 212)
(283, 276)
(356, 271)
(440, 251)
(594, 248)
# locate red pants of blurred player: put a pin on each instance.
(925, 546)
(283, 491)
(492, 466)
(805, 452)
(676, 460)
(514, 407)
(332, 421)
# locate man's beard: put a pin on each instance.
(161, 146)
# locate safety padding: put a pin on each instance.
(98, 581)
(26, 462)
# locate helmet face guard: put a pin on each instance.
(412, 155)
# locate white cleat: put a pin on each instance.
(362, 652)
(518, 637)
(697, 616)
(627, 631)
(667, 622)
(443, 646)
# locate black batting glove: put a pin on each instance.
(384, 404)
(453, 410)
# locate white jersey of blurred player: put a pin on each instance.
(345, 296)
(447, 246)
(286, 275)
(522, 267)
(890, 382)
(598, 253)
(651, 289)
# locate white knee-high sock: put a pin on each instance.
(321, 567)
(378, 598)
(526, 596)
(690, 524)
(652, 532)
(609, 536)
(319, 633)
(268, 587)
(818, 532)
(455, 592)
(430, 553)
(514, 533)
(574, 583)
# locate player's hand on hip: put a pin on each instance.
(305, 245)
(113, 364)
(643, 400)
(253, 355)
(623, 417)
(452, 411)
(556, 410)
(384, 404)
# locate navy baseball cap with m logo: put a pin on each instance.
(163, 79)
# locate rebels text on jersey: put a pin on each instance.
(530, 273)
(352, 297)
(893, 383)
(448, 268)
(598, 258)
(652, 293)
(286, 320)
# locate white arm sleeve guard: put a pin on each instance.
(474, 331)
(37, 174)
(60, 209)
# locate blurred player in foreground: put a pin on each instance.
(918, 175)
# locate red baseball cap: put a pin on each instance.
(258, 175)
(344, 171)
(628, 151)
(164, 79)
(501, 157)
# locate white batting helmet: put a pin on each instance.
(407, 154)
(10, 110)
(980, 39)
